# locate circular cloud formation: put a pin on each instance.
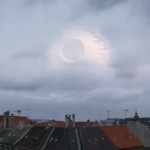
(72, 51)
(79, 47)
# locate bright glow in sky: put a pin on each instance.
(80, 46)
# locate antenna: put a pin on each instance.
(108, 113)
(125, 112)
(28, 112)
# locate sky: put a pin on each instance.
(85, 57)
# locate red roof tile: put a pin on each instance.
(52, 123)
(84, 124)
(58, 123)
(121, 137)
(20, 119)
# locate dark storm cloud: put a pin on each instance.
(30, 77)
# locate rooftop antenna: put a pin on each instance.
(19, 112)
(108, 113)
(125, 112)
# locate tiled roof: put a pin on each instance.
(46, 138)
(10, 136)
(55, 138)
(64, 142)
(58, 123)
(52, 123)
(84, 124)
(121, 137)
(3, 134)
(18, 119)
(62, 139)
(89, 138)
(92, 138)
(35, 138)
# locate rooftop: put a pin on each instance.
(121, 137)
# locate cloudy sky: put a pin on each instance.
(72, 56)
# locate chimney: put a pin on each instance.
(6, 119)
(73, 120)
(88, 120)
(12, 115)
(67, 120)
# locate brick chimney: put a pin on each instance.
(6, 119)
